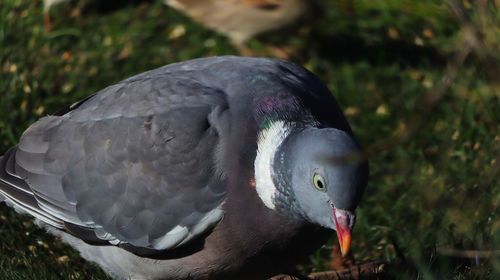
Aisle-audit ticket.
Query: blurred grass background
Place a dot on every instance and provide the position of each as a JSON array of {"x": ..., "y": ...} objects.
[{"x": 418, "y": 81}]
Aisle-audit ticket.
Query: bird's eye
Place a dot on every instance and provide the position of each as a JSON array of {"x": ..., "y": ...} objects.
[{"x": 319, "y": 182}]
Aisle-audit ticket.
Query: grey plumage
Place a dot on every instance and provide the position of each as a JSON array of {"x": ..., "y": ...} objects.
[
  {"x": 154, "y": 177},
  {"x": 135, "y": 162}
]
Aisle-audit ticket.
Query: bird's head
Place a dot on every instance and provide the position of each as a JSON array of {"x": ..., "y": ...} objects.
[{"x": 317, "y": 175}]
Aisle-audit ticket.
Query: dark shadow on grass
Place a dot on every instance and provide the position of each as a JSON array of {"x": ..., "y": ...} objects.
[
  {"x": 106, "y": 7},
  {"x": 347, "y": 48}
]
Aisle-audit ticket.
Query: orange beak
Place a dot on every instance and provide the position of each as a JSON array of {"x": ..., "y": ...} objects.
[{"x": 344, "y": 223}]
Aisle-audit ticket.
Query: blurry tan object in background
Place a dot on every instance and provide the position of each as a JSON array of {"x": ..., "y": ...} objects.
[{"x": 241, "y": 20}]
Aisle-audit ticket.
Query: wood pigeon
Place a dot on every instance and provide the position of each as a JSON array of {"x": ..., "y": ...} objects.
[{"x": 214, "y": 168}]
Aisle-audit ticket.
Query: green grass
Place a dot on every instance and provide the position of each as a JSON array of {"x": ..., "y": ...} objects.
[{"x": 418, "y": 83}]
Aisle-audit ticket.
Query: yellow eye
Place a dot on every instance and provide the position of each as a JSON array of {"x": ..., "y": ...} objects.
[{"x": 319, "y": 182}]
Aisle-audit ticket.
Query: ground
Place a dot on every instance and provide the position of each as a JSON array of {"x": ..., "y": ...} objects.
[{"x": 417, "y": 80}]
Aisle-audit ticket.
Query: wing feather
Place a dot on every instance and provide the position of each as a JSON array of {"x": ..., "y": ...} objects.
[
  {"x": 133, "y": 164},
  {"x": 18, "y": 194}
]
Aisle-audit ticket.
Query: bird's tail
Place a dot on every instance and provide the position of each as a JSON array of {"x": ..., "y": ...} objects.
[{"x": 17, "y": 194}]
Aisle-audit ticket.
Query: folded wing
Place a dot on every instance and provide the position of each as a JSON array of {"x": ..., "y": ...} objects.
[{"x": 134, "y": 164}]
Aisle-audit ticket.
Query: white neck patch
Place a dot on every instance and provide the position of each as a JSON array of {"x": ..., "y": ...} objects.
[{"x": 269, "y": 141}]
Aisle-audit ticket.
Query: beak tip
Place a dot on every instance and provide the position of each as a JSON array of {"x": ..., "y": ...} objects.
[
  {"x": 345, "y": 246},
  {"x": 344, "y": 221}
]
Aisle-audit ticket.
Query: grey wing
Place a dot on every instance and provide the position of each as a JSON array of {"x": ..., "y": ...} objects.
[{"x": 147, "y": 180}]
